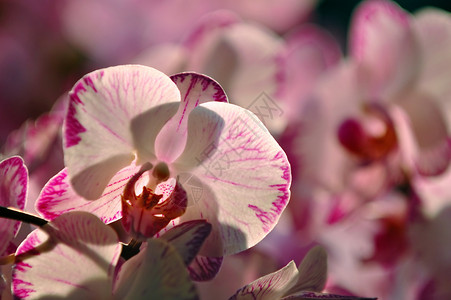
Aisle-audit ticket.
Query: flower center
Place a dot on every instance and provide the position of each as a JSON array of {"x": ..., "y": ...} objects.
[
  {"x": 146, "y": 214},
  {"x": 370, "y": 138}
]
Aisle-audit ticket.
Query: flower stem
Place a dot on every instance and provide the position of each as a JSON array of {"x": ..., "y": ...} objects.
[{"x": 14, "y": 214}]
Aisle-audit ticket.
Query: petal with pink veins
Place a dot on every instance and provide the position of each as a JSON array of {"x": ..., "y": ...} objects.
[
  {"x": 73, "y": 257},
  {"x": 13, "y": 193},
  {"x": 97, "y": 136},
  {"x": 243, "y": 173},
  {"x": 58, "y": 197},
  {"x": 195, "y": 89},
  {"x": 271, "y": 286},
  {"x": 382, "y": 41}
]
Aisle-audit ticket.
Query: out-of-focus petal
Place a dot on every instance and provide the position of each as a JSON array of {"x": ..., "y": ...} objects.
[
  {"x": 429, "y": 128},
  {"x": 243, "y": 173},
  {"x": 98, "y": 139},
  {"x": 433, "y": 28},
  {"x": 308, "y": 52},
  {"x": 159, "y": 274},
  {"x": 58, "y": 197},
  {"x": 271, "y": 286},
  {"x": 73, "y": 257},
  {"x": 306, "y": 295},
  {"x": 195, "y": 89},
  {"x": 382, "y": 41},
  {"x": 13, "y": 193}
]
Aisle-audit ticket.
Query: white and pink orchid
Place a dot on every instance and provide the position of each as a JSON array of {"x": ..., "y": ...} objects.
[{"x": 232, "y": 171}]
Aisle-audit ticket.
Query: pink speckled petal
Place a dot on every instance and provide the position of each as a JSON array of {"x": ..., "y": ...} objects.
[
  {"x": 58, "y": 197},
  {"x": 204, "y": 268},
  {"x": 271, "y": 286},
  {"x": 13, "y": 193},
  {"x": 97, "y": 137},
  {"x": 195, "y": 89},
  {"x": 428, "y": 125},
  {"x": 382, "y": 40},
  {"x": 242, "y": 174},
  {"x": 73, "y": 257},
  {"x": 158, "y": 272},
  {"x": 187, "y": 238}
]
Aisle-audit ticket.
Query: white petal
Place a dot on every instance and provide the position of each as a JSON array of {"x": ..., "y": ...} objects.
[
  {"x": 73, "y": 257},
  {"x": 243, "y": 174},
  {"x": 98, "y": 140}
]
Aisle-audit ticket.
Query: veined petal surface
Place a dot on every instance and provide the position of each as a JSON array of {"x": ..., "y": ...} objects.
[
  {"x": 243, "y": 173},
  {"x": 13, "y": 193},
  {"x": 97, "y": 136},
  {"x": 73, "y": 257}
]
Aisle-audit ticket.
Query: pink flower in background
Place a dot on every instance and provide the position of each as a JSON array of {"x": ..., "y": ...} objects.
[
  {"x": 371, "y": 120},
  {"x": 109, "y": 32},
  {"x": 221, "y": 155},
  {"x": 268, "y": 74}
]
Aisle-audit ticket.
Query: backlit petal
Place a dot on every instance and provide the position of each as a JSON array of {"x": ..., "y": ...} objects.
[
  {"x": 98, "y": 140},
  {"x": 73, "y": 257},
  {"x": 271, "y": 286},
  {"x": 160, "y": 274},
  {"x": 195, "y": 89},
  {"x": 243, "y": 174},
  {"x": 58, "y": 197}
]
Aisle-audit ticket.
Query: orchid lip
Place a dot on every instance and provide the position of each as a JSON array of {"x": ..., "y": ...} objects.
[{"x": 146, "y": 214}]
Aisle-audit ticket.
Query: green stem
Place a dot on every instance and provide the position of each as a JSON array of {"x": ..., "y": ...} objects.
[{"x": 17, "y": 215}]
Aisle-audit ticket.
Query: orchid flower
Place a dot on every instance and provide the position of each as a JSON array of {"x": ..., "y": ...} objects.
[
  {"x": 89, "y": 251},
  {"x": 217, "y": 157},
  {"x": 305, "y": 282},
  {"x": 380, "y": 121}
]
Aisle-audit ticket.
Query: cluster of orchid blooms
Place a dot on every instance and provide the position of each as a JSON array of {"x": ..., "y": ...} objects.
[{"x": 151, "y": 180}]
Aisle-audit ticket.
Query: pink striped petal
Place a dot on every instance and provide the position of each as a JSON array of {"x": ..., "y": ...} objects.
[
  {"x": 58, "y": 197},
  {"x": 158, "y": 272},
  {"x": 73, "y": 257},
  {"x": 382, "y": 41},
  {"x": 187, "y": 238},
  {"x": 97, "y": 137},
  {"x": 195, "y": 89},
  {"x": 204, "y": 268},
  {"x": 271, "y": 286},
  {"x": 13, "y": 193},
  {"x": 243, "y": 174}
]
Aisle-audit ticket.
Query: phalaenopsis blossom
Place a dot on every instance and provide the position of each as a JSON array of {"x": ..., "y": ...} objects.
[{"x": 158, "y": 151}]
